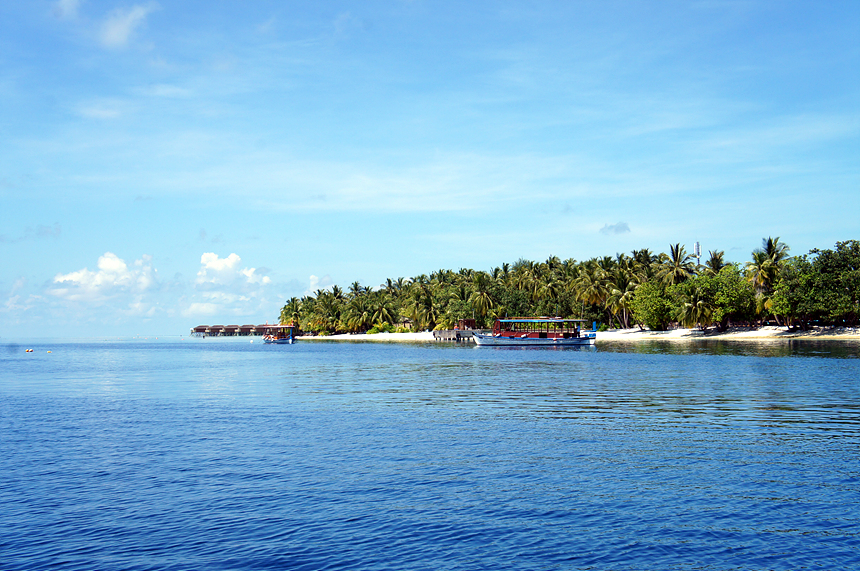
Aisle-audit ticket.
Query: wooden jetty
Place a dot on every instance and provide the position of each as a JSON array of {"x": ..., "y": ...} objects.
[{"x": 454, "y": 335}]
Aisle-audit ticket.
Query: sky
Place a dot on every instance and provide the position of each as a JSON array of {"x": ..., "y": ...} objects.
[{"x": 170, "y": 164}]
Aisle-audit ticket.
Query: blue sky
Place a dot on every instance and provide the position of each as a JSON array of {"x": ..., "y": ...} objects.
[{"x": 164, "y": 165}]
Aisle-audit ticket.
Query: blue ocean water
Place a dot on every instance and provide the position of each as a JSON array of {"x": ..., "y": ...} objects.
[{"x": 225, "y": 454}]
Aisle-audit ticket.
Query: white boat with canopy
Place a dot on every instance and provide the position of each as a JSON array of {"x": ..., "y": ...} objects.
[{"x": 537, "y": 331}]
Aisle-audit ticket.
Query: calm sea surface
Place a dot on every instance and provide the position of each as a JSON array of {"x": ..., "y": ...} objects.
[{"x": 225, "y": 454}]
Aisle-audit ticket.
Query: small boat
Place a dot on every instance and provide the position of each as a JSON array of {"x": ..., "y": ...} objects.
[
  {"x": 538, "y": 332},
  {"x": 281, "y": 334}
]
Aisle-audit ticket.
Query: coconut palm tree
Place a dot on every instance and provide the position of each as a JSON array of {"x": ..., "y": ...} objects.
[
  {"x": 623, "y": 282},
  {"x": 420, "y": 306},
  {"x": 677, "y": 267},
  {"x": 480, "y": 297},
  {"x": 645, "y": 262},
  {"x": 715, "y": 263},
  {"x": 389, "y": 287},
  {"x": 356, "y": 289},
  {"x": 326, "y": 312},
  {"x": 696, "y": 309},
  {"x": 358, "y": 314},
  {"x": 775, "y": 250},
  {"x": 549, "y": 288},
  {"x": 382, "y": 309},
  {"x": 589, "y": 286},
  {"x": 291, "y": 312},
  {"x": 764, "y": 270}
]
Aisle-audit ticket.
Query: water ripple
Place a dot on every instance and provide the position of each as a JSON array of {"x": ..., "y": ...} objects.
[{"x": 231, "y": 456}]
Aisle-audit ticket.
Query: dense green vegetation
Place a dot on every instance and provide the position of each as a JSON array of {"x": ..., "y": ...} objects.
[{"x": 645, "y": 289}]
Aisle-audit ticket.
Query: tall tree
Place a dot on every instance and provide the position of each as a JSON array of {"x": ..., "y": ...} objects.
[
  {"x": 480, "y": 298},
  {"x": 715, "y": 263},
  {"x": 695, "y": 309},
  {"x": 764, "y": 270},
  {"x": 676, "y": 267}
]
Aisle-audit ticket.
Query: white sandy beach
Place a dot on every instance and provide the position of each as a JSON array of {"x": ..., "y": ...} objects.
[
  {"x": 738, "y": 333},
  {"x": 636, "y": 334},
  {"x": 420, "y": 336}
]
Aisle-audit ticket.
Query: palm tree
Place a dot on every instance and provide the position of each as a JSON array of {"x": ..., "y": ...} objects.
[
  {"x": 589, "y": 286},
  {"x": 696, "y": 309},
  {"x": 480, "y": 297},
  {"x": 381, "y": 308},
  {"x": 645, "y": 262},
  {"x": 358, "y": 314},
  {"x": 390, "y": 286},
  {"x": 676, "y": 267},
  {"x": 506, "y": 272},
  {"x": 550, "y": 288},
  {"x": 764, "y": 270},
  {"x": 290, "y": 313},
  {"x": 775, "y": 250},
  {"x": 759, "y": 271},
  {"x": 715, "y": 263},
  {"x": 622, "y": 286},
  {"x": 420, "y": 306},
  {"x": 552, "y": 263},
  {"x": 355, "y": 289},
  {"x": 326, "y": 312}
]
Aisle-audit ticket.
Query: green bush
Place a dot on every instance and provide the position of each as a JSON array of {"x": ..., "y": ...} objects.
[{"x": 381, "y": 328}]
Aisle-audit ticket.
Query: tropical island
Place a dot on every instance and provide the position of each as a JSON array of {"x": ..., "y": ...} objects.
[{"x": 642, "y": 292}]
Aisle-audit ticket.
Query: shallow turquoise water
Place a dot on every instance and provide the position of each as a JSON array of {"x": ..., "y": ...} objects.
[{"x": 224, "y": 454}]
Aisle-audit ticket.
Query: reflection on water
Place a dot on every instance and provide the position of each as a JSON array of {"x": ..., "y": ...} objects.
[{"x": 768, "y": 348}]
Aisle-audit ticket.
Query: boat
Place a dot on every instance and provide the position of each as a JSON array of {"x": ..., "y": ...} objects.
[
  {"x": 280, "y": 334},
  {"x": 536, "y": 331}
]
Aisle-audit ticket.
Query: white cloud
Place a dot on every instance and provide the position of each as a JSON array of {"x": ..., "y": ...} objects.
[
  {"x": 66, "y": 9},
  {"x": 113, "y": 278},
  {"x": 213, "y": 266},
  {"x": 316, "y": 283},
  {"x": 122, "y": 22},
  {"x": 201, "y": 309},
  {"x": 619, "y": 228},
  {"x": 225, "y": 288},
  {"x": 226, "y": 272}
]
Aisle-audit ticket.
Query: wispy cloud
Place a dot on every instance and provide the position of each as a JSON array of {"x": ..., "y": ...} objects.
[
  {"x": 613, "y": 229},
  {"x": 101, "y": 109},
  {"x": 121, "y": 23},
  {"x": 167, "y": 90},
  {"x": 66, "y": 9},
  {"x": 315, "y": 283},
  {"x": 31, "y": 233}
]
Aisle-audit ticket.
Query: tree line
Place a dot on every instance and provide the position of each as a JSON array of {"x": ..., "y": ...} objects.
[{"x": 644, "y": 289}]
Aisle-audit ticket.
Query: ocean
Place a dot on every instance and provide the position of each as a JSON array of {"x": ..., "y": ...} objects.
[{"x": 185, "y": 454}]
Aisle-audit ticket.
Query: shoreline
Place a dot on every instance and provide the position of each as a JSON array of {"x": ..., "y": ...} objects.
[{"x": 769, "y": 333}]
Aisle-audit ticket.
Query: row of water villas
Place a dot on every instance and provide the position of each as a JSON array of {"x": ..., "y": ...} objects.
[{"x": 233, "y": 330}]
